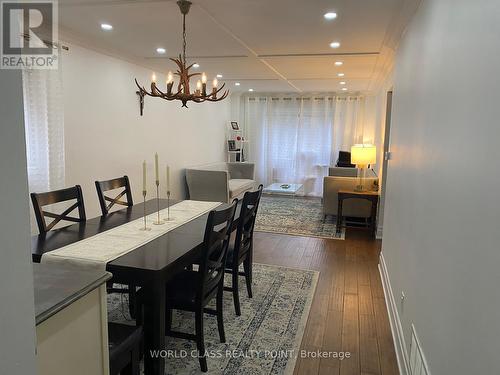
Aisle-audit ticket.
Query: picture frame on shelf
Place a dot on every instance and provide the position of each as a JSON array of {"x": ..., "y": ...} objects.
[
  {"x": 231, "y": 145},
  {"x": 234, "y": 125}
]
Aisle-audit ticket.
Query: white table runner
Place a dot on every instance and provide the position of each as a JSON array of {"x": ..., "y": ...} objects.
[{"x": 98, "y": 250}]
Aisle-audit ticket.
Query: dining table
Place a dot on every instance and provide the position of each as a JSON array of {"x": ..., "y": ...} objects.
[{"x": 150, "y": 266}]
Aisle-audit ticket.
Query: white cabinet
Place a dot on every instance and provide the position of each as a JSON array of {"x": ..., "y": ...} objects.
[{"x": 75, "y": 340}]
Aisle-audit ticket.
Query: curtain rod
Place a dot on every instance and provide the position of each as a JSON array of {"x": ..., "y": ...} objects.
[{"x": 334, "y": 97}]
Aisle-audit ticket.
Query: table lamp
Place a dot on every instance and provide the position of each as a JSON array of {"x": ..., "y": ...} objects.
[{"x": 362, "y": 155}]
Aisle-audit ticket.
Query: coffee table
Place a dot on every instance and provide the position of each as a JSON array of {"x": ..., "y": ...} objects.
[{"x": 285, "y": 189}]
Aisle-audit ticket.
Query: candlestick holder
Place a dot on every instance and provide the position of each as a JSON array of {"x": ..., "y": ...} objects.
[
  {"x": 168, "y": 207},
  {"x": 158, "y": 221},
  {"x": 145, "y": 228}
]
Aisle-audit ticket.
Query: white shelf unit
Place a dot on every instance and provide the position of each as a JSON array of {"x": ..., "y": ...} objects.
[{"x": 240, "y": 146}]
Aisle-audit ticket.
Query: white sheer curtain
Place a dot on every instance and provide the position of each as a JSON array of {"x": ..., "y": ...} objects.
[
  {"x": 44, "y": 127},
  {"x": 295, "y": 139}
]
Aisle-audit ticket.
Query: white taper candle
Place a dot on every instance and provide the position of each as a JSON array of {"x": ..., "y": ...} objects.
[
  {"x": 168, "y": 178},
  {"x": 157, "y": 170},
  {"x": 144, "y": 175}
]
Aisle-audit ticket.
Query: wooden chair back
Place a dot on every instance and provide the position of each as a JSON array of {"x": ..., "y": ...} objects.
[
  {"x": 116, "y": 183},
  {"x": 246, "y": 224},
  {"x": 215, "y": 244},
  {"x": 40, "y": 200}
]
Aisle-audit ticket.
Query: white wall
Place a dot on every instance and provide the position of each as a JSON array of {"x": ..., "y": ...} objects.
[
  {"x": 379, "y": 118},
  {"x": 17, "y": 314},
  {"x": 373, "y": 130},
  {"x": 105, "y": 137},
  {"x": 442, "y": 213}
]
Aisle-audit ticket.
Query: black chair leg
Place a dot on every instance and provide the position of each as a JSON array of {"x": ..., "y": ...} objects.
[
  {"x": 168, "y": 321},
  {"x": 220, "y": 318},
  {"x": 132, "y": 301},
  {"x": 236, "y": 292},
  {"x": 127, "y": 370},
  {"x": 138, "y": 312},
  {"x": 247, "y": 266},
  {"x": 133, "y": 368},
  {"x": 136, "y": 362},
  {"x": 200, "y": 340}
]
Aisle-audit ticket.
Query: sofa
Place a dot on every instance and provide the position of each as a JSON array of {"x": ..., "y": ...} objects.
[
  {"x": 340, "y": 178},
  {"x": 220, "y": 182}
]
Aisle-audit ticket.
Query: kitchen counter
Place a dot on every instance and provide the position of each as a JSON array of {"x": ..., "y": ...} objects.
[
  {"x": 57, "y": 287},
  {"x": 71, "y": 320}
]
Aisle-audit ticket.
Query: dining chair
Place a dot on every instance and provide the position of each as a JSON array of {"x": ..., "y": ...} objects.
[
  {"x": 242, "y": 250},
  {"x": 124, "y": 343},
  {"x": 116, "y": 183},
  {"x": 41, "y": 200},
  {"x": 193, "y": 290},
  {"x": 102, "y": 187}
]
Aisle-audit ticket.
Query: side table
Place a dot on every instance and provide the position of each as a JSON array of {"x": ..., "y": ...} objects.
[{"x": 371, "y": 196}]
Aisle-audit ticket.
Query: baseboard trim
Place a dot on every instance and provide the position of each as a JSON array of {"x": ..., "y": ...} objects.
[{"x": 394, "y": 320}]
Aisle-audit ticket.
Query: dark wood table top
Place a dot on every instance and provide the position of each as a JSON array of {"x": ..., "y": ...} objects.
[{"x": 152, "y": 256}]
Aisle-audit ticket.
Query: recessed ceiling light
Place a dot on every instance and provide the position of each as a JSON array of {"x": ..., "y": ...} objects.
[
  {"x": 161, "y": 50},
  {"x": 237, "y": 83},
  {"x": 335, "y": 44},
  {"x": 106, "y": 26},
  {"x": 339, "y": 63},
  {"x": 196, "y": 65},
  {"x": 219, "y": 75},
  {"x": 330, "y": 15},
  {"x": 250, "y": 90},
  {"x": 342, "y": 83},
  {"x": 344, "y": 88},
  {"x": 341, "y": 74}
]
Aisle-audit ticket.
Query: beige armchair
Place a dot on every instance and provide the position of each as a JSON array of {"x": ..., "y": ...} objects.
[
  {"x": 220, "y": 182},
  {"x": 351, "y": 207}
]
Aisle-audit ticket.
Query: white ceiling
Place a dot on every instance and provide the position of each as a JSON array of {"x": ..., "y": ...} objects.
[{"x": 267, "y": 45}]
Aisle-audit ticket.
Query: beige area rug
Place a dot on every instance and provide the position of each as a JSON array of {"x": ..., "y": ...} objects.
[
  {"x": 265, "y": 339},
  {"x": 300, "y": 216}
]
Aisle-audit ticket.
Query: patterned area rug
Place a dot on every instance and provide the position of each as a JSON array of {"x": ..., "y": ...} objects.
[
  {"x": 298, "y": 216},
  {"x": 265, "y": 339}
]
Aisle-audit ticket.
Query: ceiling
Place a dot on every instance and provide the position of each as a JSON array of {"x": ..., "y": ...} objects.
[{"x": 266, "y": 45}]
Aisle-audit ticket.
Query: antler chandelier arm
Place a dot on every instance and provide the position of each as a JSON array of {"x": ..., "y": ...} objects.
[
  {"x": 224, "y": 96},
  {"x": 216, "y": 91},
  {"x": 183, "y": 86},
  {"x": 166, "y": 95}
]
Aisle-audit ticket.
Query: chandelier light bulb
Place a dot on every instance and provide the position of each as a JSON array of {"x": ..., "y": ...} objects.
[
  {"x": 215, "y": 82},
  {"x": 153, "y": 78},
  {"x": 106, "y": 26},
  {"x": 204, "y": 78},
  {"x": 198, "y": 85},
  {"x": 170, "y": 77},
  {"x": 330, "y": 15}
]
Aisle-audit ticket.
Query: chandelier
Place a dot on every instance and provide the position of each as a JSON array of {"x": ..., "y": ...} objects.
[{"x": 183, "y": 92}]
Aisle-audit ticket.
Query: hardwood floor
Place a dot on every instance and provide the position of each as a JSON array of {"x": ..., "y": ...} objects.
[{"x": 348, "y": 313}]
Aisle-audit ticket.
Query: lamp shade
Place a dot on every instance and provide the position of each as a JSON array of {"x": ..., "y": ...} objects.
[{"x": 363, "y": 154}]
